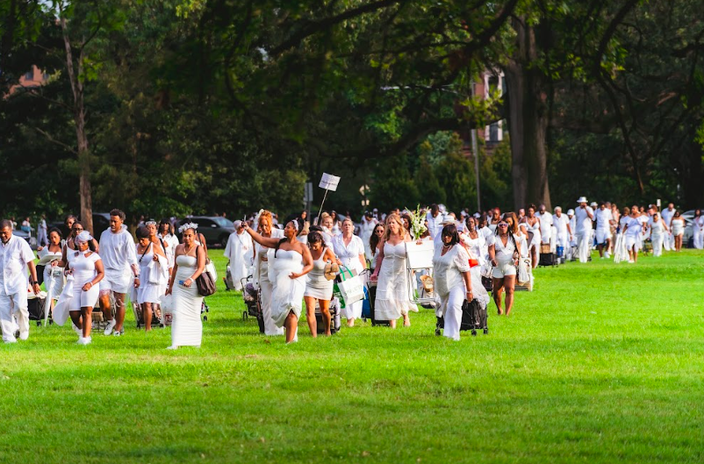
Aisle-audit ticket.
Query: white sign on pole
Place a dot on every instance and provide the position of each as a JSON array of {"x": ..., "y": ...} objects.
[{"x": 329, "y": 182}]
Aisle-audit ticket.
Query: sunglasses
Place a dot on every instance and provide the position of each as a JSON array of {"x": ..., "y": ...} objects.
[
  {"x": 77, "y": 228},
  {"x": 503, "y": 224}
]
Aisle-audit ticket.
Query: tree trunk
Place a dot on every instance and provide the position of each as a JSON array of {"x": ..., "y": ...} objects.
[
  {"x": 79, "y": 118},
  {"x": 528, "y": 121}
]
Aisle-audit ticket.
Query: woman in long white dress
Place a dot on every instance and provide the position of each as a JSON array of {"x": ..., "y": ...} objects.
[
  {"x": 239, "y": 252},
  {"x": 677, "y": 227},
  {"x": 392, "y": 294},
  {"x": 350, "y": 251},
  {"x": 53, "y": 275},
  {"x": 262, "y": 255},
  {"x": 186, "y": 327},
  {"x": 453, "y": 280},
  {"x": 153, "y": 272},
  {"x": 698, "y": 229},
  {"x": 87, "y": 270},
  {"x": 318, "y": 287},
  {"x": 620, "y": 250},
  {"x": 658, "y": 231},
  {"x": 291, "y": 262}
]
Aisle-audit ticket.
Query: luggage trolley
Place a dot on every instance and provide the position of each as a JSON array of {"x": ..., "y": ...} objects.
[{"x": 419, "y": 257}]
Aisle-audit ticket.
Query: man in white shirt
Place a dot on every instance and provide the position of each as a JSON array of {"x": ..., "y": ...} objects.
[
  {"x": 15, "y": 255},
  {"x": 433, "y": 220},
  {"x": 117, "y": 250},
  {"x": 563, "y": 229},
  {"x": 667, "y": 214},
  {"x": 546, "y": 224},
  {"x": 603, "y": 230},
  {"x": 584, "y": 215},
  {"x": 239, "y": 252}
]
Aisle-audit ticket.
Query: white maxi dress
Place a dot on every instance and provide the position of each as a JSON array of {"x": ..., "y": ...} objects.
[
  {"x": 657, "y": 237},
  {"x": 287, "y": 293},
  {"x": 187, "y": 327},
  {"x": 392, "y": 291},
  {"x": 349, "y": 255}
]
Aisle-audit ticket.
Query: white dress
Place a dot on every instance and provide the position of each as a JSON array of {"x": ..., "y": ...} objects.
[
  {"x": 349, "y": 255},
  {"x": 317, "y": 286},
  {"x": 265, "y": 283},
  {"x": 287, "y": 295},
  {"x": 677, "y": 226},
  {"x": 152, "y": 277},
  {"x": 83, "y": 271},
  {"x": 657, "y": 237},
  {"x": 698, "y": 232},
  {"x": 53, "y": 276},
  {"x": 239, "y": 252},
  {"x": 187, "y": 327},
  {"x": 392, "y": 298},
  {"x": 365, "y": 233}
]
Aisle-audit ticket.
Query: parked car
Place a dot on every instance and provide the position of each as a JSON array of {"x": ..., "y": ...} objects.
[
  {"x": 215, "y": 229},
  {"x": 26, "y": 236}
]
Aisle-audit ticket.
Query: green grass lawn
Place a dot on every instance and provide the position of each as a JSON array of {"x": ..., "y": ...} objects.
[{"x": 601, "y": 363}]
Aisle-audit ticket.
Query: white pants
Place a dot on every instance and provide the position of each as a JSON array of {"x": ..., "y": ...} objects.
[
  {"x": 669, "y": 242},
  {"x": 698, "y": 238},
  {"x": 584, "y": 245},
  {"x": 657, "y": 240},
  {"x": 270, "y": 327},
  {"x": 451, "y": 306},
  {"x": 13, "y": 307}
]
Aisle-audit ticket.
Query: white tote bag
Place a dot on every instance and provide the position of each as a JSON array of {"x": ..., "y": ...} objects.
[{"x": 351, "y": 287}]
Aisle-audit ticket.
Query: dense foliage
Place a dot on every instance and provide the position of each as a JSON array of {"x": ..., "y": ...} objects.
[{"x": 212, "y": 106}]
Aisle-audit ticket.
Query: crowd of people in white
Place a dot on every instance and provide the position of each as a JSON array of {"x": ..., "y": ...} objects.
[{"x": 296, "y": 264}]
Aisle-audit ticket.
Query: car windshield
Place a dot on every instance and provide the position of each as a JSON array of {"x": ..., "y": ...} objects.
[{"x": 223, "y": 222}]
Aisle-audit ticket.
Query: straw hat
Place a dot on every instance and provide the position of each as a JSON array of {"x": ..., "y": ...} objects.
[
  {"x": 582, "y": 199},
  {"x": 331, "y": 271}
]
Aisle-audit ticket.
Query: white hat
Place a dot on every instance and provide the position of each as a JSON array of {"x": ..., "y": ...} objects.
[
  {"x": 594, "y": 203},
  {"x": 582, "y": 200},
  {"x": 570, "y": 212}
]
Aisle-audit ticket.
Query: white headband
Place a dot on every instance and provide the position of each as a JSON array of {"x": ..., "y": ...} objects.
[
  {"x": 188, "y": 225},
  {"x": 84, "y": 237}
]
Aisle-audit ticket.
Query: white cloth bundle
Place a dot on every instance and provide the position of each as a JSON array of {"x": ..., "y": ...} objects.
[{"x": 61, "y": 309}]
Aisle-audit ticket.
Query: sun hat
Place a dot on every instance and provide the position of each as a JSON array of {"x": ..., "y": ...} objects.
[
  {"x": 570, "y": 212},
  {"x": 582, "y": 199}
]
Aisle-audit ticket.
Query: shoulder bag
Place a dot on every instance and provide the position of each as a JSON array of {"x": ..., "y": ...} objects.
[{"x": 205, "y": 282}]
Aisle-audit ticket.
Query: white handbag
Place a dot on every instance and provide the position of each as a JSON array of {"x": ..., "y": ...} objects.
[
  {"x": 351, "y": 288},
  {"x": 419, "y": 255}
]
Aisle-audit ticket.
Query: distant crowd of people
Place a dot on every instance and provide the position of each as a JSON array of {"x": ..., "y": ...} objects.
[{"x": 291, "y": 265}]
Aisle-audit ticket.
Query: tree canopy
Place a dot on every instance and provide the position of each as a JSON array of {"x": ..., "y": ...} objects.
[{"x": 211, "y": 106}]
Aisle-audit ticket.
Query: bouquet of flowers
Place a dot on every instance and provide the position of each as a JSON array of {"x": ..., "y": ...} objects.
[{"x": 417, "y": 223}]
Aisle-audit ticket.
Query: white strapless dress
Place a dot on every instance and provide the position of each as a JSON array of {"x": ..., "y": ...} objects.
[
  {"x": 187, "y": 327},
  {"x": 287, "y": 293}
]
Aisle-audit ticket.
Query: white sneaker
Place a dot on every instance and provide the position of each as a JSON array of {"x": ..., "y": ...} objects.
[
  {"x": 24, "y": 335},
  {"x": 111, "y": 325},
  {"x": 84, "y": 341},
  {"x": 78, "y": 331},
  {"x": 607, "y": 255},
  {"x": 14, "y": 340},
  {"x": 172, "y": 347}
]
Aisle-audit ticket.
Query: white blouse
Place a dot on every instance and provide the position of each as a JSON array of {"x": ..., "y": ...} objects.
[{"x": 448, "y": 268}]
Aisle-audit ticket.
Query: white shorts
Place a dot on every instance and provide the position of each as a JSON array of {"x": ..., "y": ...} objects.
[
  {"x": 503, "y": 270},
  {"x": 631, "y": 240},
  {"x": 602, "y": 235},
  {"x": 116, "y": 281}
]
